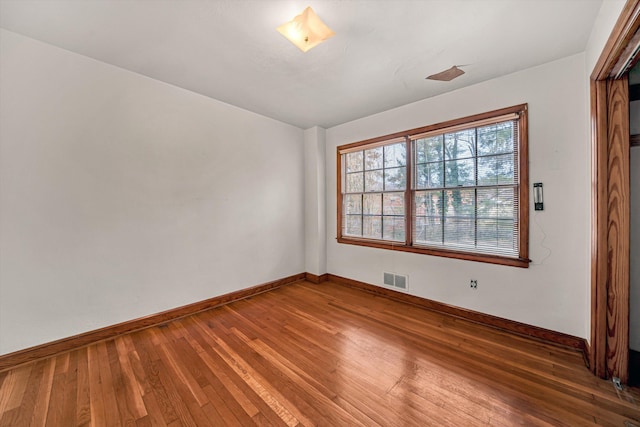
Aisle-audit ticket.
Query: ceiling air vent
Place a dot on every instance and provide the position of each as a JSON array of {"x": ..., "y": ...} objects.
[{"x": 447, "y": 75}]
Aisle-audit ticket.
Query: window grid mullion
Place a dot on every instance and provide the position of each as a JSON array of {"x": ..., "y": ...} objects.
[
  {"x": 384, "y": 187},
  {"x": 444, "y": 185},
  {"x": 475, "y": 192},
  {"x": 362, "y": 208},
  {"x": 408, "y": 185},
  {"x": 382, "y": 213}
]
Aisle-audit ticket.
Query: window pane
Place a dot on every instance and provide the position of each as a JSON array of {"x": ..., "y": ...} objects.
[
  {"x": 506, "y": 237},
  {"x": 496, "y": 170},
  {"x": 429, "y": 149},
  {"x": 488, "y": 203},
  {"x": 354, "y": 161},
  {"x": 459, "y": 231},
  {"x": 373, "y": 158},
  {"x": 353, "y": 204},
  {"x": 496, "y": 203},
  {"x": 372, "y": 204},
  {"x": 507, "y": 207},
  {"x": 460, "y": 173},
  {"x": 496, "y": 233},
  {"x": 393, "y": 203},
  {"x": 460, "y": 145},
  {"x": 429, "y": 203},
  {"x": 372, "y": 227},
  {"x": 505, "y": 165},
  {"x": 496, "y": 139},
  {"x": 353, "y": 225},
  {"x": 487, "y": 140},
  {"x": 395, "y": 155},
  {"x": 393, "y": 228},
  {"x": 419, "y": 229},
  {"x": 395, "y": 178},
  {"x": 428, "y": 230},
  {"x": 429, "y": 175},
  {"x": 460, "y": 203},
  {"x": 488, "y": 233},
  {"x": 355, "y": 183},
  {"x": 373, "y": 181}
]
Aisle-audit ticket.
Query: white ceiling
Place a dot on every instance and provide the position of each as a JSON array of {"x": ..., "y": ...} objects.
[{"x": 383, "y": 49}]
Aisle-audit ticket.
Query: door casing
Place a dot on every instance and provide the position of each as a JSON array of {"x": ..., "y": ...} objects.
[{"x": 610, "y": 216}]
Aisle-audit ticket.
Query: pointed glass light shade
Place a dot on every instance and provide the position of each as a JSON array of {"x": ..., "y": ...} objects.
[{"x": 306, "y": 30}]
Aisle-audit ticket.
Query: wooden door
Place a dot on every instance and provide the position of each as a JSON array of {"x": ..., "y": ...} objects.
[{"x": 609, "y": 347}]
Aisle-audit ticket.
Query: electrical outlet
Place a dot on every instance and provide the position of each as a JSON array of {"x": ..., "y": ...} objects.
[
  {"x": 473, "y": 284},
  {"x": 617, "y": 383}
]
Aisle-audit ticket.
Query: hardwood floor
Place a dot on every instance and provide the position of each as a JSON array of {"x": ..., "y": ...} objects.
[{"x": 314, "y": 354}]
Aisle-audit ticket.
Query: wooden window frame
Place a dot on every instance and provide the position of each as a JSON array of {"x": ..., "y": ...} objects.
[{"x": 522, "y": 260}]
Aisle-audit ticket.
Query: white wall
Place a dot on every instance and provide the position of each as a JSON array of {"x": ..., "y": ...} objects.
[
  {"x": 314, "y": 196},
  {"x": 607, "y": 17},
  {"x": 121, "y": 196},
  {"x": 554, "y": 292}
]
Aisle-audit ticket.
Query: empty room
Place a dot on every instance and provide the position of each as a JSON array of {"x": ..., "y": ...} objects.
[{"x": 321, "y": 213}]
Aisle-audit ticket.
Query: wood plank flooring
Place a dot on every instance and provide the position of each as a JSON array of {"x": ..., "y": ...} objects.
[{"x": 314, "y": 354}]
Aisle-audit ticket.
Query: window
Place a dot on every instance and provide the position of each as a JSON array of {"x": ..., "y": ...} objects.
[
  {"x": 375, "y": 184},
  {"x": 457, "y": 189}
]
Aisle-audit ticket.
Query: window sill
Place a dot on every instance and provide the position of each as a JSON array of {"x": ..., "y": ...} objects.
[{"x": 491, "y": 259}]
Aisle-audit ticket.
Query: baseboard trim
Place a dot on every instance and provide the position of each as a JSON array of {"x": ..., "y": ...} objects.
[
  {"x": 30, "y": 354},
  {"x": 545, "y": 335},
  {"x": 315, "y": 278}
]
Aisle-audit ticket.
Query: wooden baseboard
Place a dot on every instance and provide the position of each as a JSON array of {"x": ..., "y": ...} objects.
[
  {"x": 19, "y": 357},
  {"x": 545, "y": 335},
  {"x": 11, "y": 360},
  {"x": 316, "y": 279}
]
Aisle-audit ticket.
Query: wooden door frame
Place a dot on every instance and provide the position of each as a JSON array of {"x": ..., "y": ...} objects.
[{"x": 610, "y": 216}]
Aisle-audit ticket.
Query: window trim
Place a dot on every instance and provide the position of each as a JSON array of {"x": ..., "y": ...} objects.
[{"x": 471, "y": 121}]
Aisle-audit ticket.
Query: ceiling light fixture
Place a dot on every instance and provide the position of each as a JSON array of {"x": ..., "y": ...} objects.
[
  {"x": 306, "y": 30},
  {"x": 447, "y": 75}
]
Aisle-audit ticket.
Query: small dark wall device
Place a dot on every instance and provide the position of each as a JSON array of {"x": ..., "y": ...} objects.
[{"x": 538, "y": 198}]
